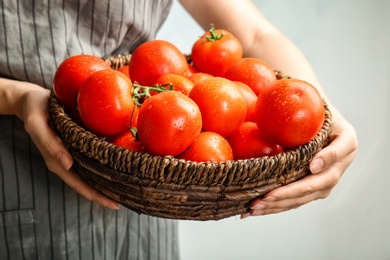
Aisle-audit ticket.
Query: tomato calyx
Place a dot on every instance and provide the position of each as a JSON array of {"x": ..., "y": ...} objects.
[
  {"x": 213, "y": 35},
  {"x": 140, "y": 93}
]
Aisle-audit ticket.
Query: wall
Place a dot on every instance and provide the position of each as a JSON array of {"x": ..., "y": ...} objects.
[{"x": 348, "y": 44}]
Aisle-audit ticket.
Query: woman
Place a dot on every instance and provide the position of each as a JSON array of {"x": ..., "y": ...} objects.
[{"x": 42, "y": 215}]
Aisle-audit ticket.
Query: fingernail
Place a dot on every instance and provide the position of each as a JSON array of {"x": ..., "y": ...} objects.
[
  {"x": 258, "y": 206},
  {"x": 243, "y": 216},
  {"x": 113, "y": 205},
  {"x": 269, "y": 199},
  {"x": 65, "y": 161},
  {"x": 257, "y": 212},
  {"x": 316, "y": 165}
]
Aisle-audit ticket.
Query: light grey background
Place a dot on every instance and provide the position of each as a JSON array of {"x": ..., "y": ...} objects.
[{"x": 348, "y": 44}]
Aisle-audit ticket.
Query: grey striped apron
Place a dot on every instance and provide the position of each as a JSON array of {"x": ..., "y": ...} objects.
[{"x": 40, "y": 216}]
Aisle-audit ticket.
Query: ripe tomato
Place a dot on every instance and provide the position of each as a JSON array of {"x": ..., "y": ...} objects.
[
  {"x": 168, "y": 123},
  {"x": 134, "y": 117},
  {"x": 75, "y": 115},
  {"x": 290, "y": 112},
  {"x": 126, "y": 140},
  {"x": 222, "y": 105},
  {"x": 71, "y": 74},
  {"x": 247, "y": 142},
  {"x": 216, "y": 51},
  {"x": 105, "y": 102},
  {"x": 179, "y": 83},
  {"x": 254, "y": 72},
  {"x": 250, "y": 98},
  {"x": 191, "y": 70},
  {"x": 125, "y": 70},
  {"x": 152, "y": 59},
  {"x": 199, "y": 76},
  {"x": 208, "y": 146}
]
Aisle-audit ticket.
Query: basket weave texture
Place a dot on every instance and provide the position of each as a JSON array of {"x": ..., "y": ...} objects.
[{"x": 177, "y": 189}]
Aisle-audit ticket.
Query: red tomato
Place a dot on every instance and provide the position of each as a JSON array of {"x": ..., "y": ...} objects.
[
  {"x": 247, "y": 142},
  {"x": 168, "y": 123},
  {"x": 134, "y": 117},
  {"x": 222, "y": 105},
  {"x": 126, "y": 140},
  {"x": 105, "y": 102},
  {"x": 208, "y": 146},
  {"x": 199, "y": 76},
  {"x": 250, "y": 98},
  {"x": 75, "y": 115},
  {"x": 178, "y": 82},
  {"x": 191, "y": 70},
  {"x": 125, "y": 70},
  {"x": 71, "y": 74},
  {"x": 215, "y": 52},
  {"x": 155, "y": 58},
  {"x": 290, "y": 112},
  {"x": 254, "y": 72}
]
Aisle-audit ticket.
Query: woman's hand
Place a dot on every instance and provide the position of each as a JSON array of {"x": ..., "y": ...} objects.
[
  {"x": 327, "y": 167},
  {"x": 30, "y": 103}
]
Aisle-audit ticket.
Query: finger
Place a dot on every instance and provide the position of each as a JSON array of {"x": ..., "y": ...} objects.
[
  {"x": 48, "y": 143},
  {"x": 245, "y": 215},
  {"x": 36, "y": 120},
  {"x": 305, "y": 186},
  {"x": 279, "y": 206},
  {"x": 59, "y": 161},
  {"x": 293, "y": 195},
  {"x": 72, "y": 179},
  {"x": 337, "y": 150}
]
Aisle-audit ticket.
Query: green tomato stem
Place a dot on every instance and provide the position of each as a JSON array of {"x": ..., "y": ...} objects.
[
  {"x": 214, "y": 37},
  {"x": 142, "y": 92}
]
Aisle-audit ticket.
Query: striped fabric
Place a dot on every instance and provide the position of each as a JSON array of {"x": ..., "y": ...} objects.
[{"x": 40, "y": 216}]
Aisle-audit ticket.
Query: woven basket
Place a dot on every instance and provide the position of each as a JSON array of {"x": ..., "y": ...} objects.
[{"x": 177, "y": 189}]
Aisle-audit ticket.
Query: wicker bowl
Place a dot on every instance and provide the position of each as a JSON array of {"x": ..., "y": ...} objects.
[{"x": 177, "y": 189}]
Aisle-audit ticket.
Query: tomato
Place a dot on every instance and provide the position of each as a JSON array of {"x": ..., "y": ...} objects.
[
  {"x": 105, "y": 102},
  {"x": 222, "y": 105},
  {"x": 208, "y": 146},
  {"x": 179, "y": 83},
  {"x": 71, "y": 74},
  {"x": 152, "y": 59},
  {"x": 199, "y": 76},
  {"x": 254, "y": 72},
  {"x": 75, "y": 115},
  {"x": 216, "y": 51},
  {"x": 247, "y": 142},
  {"x": 191, "y": 70},
  {"x": 134, "y": 117},
  {"x": 126, "y": 140},
  {"x": 250, "y": 98},
  {"x": 125, "y": 70},
  {"x": 290, "y": 112},
  {"x": 168, "y": 123}
]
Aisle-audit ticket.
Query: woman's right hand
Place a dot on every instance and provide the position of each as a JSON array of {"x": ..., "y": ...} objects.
[{"x": 30, "y": 103}]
